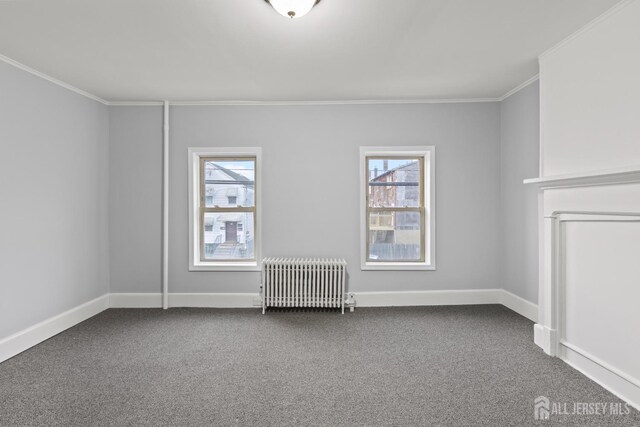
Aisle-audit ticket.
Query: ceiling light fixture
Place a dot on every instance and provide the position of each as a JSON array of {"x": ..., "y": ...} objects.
[{"x": 293, "y": 8}]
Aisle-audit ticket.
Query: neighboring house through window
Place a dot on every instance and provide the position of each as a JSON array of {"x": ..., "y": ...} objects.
[
  {"x": 397, "y": 208},
  {"x": 224, "y": 215}
]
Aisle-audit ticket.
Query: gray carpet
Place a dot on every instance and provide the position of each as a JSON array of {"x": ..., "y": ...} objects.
[{"x": 463, "y": 366}]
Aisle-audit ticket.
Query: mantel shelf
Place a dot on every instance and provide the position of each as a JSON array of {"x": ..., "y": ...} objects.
[{"x": 624, "y": 175}]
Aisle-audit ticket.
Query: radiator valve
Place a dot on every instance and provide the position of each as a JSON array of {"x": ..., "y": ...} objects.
[{"x": 350, "y": 302}]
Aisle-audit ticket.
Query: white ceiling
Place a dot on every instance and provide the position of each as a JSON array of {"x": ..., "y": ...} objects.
[{"x": 243, "y": 50}]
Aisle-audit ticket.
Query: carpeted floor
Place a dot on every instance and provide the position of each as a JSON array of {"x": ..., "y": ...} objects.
[{"x": 463, "y": 366}]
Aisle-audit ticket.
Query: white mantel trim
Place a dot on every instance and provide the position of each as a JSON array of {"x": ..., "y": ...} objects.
[
  {"x": 623, "y": 175},
  {"x": 551, "y": 307},
  {"x": 549, "y": 331}
]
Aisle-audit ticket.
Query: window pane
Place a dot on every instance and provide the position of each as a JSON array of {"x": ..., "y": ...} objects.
[
  {"x": 228, "y": 236},
  {"x": 229, "y": 183},
  {"x": 394, "y": 182},
  {"x": 394, "y": 196},
  {"x": 394, "y": 236}
]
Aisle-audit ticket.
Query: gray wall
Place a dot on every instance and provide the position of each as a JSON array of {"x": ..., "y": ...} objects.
[
  {"x": 311, "y": 184},
  {"x": 519, "y": 156},
  {"x": 66, "y": 235},
  {"x": 53, "y": 187},
  {"x": 135, "y": 198}
]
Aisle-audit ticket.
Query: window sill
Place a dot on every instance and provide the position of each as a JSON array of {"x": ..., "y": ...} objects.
[
  {"x": 225, "y": 266},
  {"x": 397, "y": 266}
]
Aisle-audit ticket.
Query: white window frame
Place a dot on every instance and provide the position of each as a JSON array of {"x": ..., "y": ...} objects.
[
  {"x": 194, "y": 156},
  {"x": 428, "y": 154}
]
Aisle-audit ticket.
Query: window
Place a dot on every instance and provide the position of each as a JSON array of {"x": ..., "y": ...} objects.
[
  {"x": 224, "y": 208},
  {"x": 209, "y": 248},
  {"x": 397, "y": 208}
]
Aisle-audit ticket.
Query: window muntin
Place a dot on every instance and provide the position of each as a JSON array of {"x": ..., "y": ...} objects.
[
  {"x": 395, "y": 213},
  {"x": 227, "y": 229}
]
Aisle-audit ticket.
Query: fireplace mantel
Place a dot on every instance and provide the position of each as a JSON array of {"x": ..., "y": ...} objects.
[
  {"x": 622, "y": 175},
  {"x": 577, "y": 213}
]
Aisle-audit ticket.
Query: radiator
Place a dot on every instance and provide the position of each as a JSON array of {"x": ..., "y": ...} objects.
[{"x": 303, "y": 282}]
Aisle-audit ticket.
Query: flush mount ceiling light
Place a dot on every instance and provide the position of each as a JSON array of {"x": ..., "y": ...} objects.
[{"x": 293, "y": 8}]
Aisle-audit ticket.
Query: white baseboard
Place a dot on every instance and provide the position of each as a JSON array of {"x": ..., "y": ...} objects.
[
  {"x": 459, "y": 297},
  {"x": 27, "y": 338},
  {"x": 602, "y": 374},
  {"x": 238, "y": 300},
  {"x": 363, "y": 299},
  {"x": 211, "y": 300},
  {"x": 419, "y": 298},
  {"x": 520, "y": 305},
  {"x": 135, "y": 300},
  {"x": 33, "y": 335},
  {"x": 627, "y": 390},
  {"x": 545, "y": 338}
]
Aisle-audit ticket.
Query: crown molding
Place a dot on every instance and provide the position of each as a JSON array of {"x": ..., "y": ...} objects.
[
  {"x": 303, "y": 103},
  {"x": 519, "y": 87},
  {"x": 135, "y": 103},
  {"x": 610, "y": 12},
  {"x": 52, "y": 79},
  {"x": 328, "y": 102},
  {"x": 261, "y": 103}
]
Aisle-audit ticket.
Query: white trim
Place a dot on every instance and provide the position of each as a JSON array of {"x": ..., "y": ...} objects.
[
  {"x": 623, "y": 175},
  {"x": 601, "y": 374},
  {"x": 519, "y": 87},
  {"x": 552, "y": 281},
  {"x": 549, "y": 334},
  {"x": 136, "y": 300},
  {"x": 193, "y": 157},
  {"x": 307, "y": 102},
  {"x": 363, "y": 299},
  {"x": 212, "y": 300},
  {"x": 27, "y": 338},
  {"x": 396, "y": 266},
  {"x": 52, "y": 79},
  {"x": 429, "y": 155},
  {"x": 610, "y": 12},
  {"x": 165, "y": 206},
  {"x": 263, "y": 103},
  {"x": 444, "y": 297},
  {"x": 519, "y": 305},
  {"x": 236, "y": 103},
  {"x": 228, "y": 266},
  {"x": 422, "y": 298},
  {"x": 219, "y": 300},
  {"x": 543, "y": 337},
  {"x": 602, "y": 363},
  {"x": 136, "y": 103}
]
